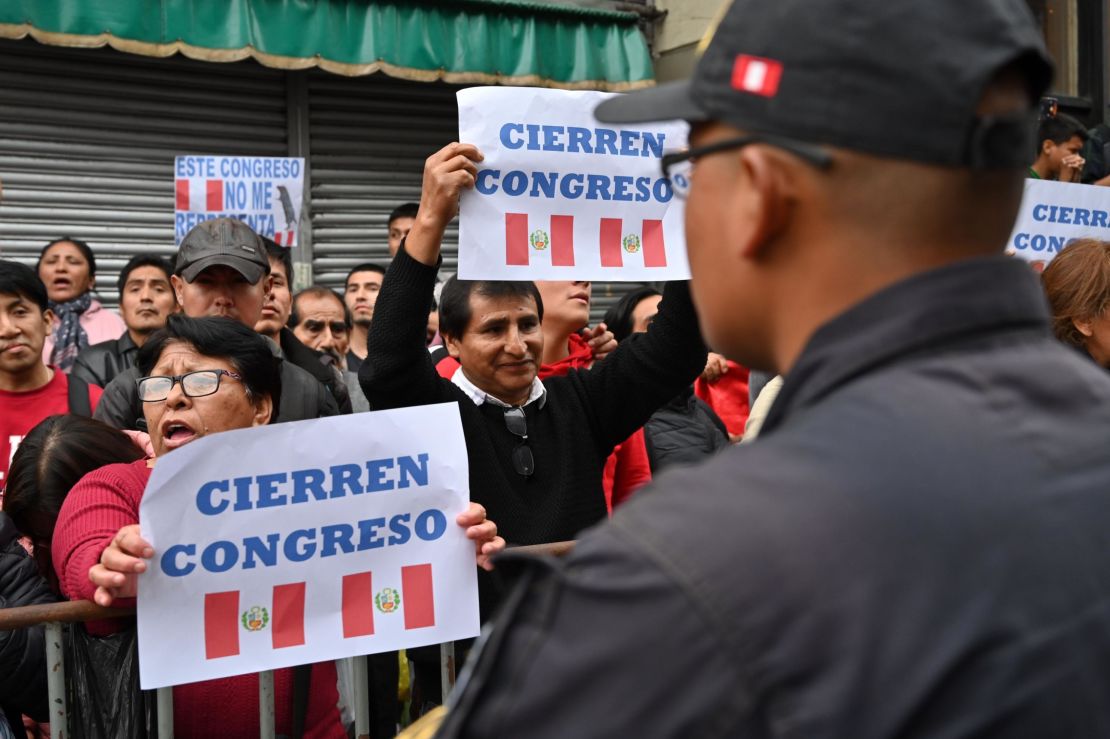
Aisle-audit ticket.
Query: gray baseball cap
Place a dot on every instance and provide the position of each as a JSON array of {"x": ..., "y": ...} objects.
[
  {"x": 896, "y": 78},
  {"x": 222, "y": 241}
]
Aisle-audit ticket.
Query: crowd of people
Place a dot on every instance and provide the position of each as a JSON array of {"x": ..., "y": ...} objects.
[{"x": 921, "y": 389}]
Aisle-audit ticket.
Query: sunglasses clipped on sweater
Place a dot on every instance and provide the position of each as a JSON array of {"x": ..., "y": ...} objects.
[{"x": 517, "y": 423}]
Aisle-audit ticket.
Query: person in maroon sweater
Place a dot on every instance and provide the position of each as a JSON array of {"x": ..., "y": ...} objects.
[{"x": 199, "y": 376}]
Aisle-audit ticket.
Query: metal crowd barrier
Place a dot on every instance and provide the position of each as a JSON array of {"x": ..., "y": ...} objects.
[{"x": 53, "y": 615}]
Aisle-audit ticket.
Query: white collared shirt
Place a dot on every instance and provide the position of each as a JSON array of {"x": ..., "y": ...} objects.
[{"x": 479, "y": 396}]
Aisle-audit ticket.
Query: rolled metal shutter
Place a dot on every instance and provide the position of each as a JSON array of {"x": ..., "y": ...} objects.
[
  {"x": 88, "y": 137},
  {"x": 369, "y": 137}
]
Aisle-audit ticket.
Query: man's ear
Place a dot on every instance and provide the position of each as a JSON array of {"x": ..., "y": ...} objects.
[
  {"x": 454, "y": 346},
  {"x": 1047, "y": 146},
  {"x": 759, "y": 202},
  {"x": 48, "y": 317},
  {"x": 1083, "y": 326},
  {"x": 178, "y": 285}
]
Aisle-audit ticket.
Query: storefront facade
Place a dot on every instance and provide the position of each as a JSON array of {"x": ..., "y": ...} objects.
[{"x": 88, "y": 135}]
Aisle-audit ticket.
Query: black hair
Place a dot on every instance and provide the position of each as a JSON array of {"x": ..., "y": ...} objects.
[
  {"x": 248, "y": 352},
  {"x": 142, "y": 260},
  {"x": 51, "y": 459},
  {"x": 364, "y": 267},
  {"x": 1058, "y": 129},
  {"x": 85, "y": 249},
  {"x": 404, "y": 210},
  {"x": 454, "y": 301},
  {"x": 19, "y": 279},
  {"x": 281, "y": 254},
  {"x": 319, "y": 291},
  {"x": 619, "y": 318}
]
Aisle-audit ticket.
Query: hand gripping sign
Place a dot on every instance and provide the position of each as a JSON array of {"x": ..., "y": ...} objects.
[
  {"x": 1055, "y": 213},
  {"x": 303, "y": 542},
  {"x": 560, "y": 196},
  {"x": 266, "y": 193}
]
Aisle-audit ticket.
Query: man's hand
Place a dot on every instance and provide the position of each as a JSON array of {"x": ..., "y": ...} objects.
[
  {"x": 1072, "y": 168},
  {"x": 447, "y": 173},
  {"x": 715, "y": 367},
  {"x": 482, "y": 532},
  {"x": 601, "y": 341},
  {"x": 120, "y": 566}
]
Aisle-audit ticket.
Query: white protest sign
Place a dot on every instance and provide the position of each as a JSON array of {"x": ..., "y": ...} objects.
[
  {"x": 1055, "y": 213},
  {"x": 264, "y": 192},
  {"x": 560, "y": 196},
  {"x": 304, "y": 542}
]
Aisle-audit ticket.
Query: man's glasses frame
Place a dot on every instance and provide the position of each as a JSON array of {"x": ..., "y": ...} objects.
[
  {"x": 196, "y": 384},
  {"x": 517, "y": 423},
  {"x": 680, "y": 180}
]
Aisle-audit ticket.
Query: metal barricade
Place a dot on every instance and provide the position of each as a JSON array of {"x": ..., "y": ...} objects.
[{"x": 53, "y": 615}]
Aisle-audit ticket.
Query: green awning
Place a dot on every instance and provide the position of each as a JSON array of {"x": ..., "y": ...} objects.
[{"x": 508, "y": 42}]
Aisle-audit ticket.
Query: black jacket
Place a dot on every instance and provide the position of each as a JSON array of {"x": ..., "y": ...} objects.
[
  {"x": 916, "y": 546},
  {"x": 100, "y": 363},
  {"x": 302, "y": 397},
  {"x": 683, "y": 432},
  {"x": 22, "y": 651}
]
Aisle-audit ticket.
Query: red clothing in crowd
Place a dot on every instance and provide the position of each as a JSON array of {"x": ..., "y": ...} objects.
[
  {"x": 628, "y": 468},
  {"x": 728, "y": 397},
  {"x": 102, "y": 503},
  {"x": 22, "y": 411}
]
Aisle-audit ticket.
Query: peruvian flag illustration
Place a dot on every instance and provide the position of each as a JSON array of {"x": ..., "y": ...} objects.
[
  {"x": 198, "y": 195},
  {"x": 284, "y": 238},
  {"x": 616, "y": 242},
  {"x": 556, "y": 235},
  {"x": 756, "y": 75},
  {"x": 226, "y": 616}
]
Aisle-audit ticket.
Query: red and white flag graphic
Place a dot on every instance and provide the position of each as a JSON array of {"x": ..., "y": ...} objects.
[
  {"x": 556, "y": 235},
  {"x": 225, "y": 615},
  {"x": 756, "y": 75},
  {"x": 283, "y": 238},
  {"x": 616, "y": 243},
  {"x": 198, "y": 195}
]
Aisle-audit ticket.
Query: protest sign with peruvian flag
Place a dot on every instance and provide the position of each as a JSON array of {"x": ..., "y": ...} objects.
[
  {"x": 267, "y": 193},
  {"x": 561, "y": 196},
  {"x": 302, "y": 542}
]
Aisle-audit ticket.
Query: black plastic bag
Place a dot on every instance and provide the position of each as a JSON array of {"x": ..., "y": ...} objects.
[{"x": 102, "y": 691}]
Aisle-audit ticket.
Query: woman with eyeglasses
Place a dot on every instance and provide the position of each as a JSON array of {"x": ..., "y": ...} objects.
[{"x": 200, "y": 376}]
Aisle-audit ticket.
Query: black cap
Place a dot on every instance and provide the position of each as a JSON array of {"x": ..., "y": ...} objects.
[
  {"x": 222, "y": 241},
  {"x": 897, "y": 78}
]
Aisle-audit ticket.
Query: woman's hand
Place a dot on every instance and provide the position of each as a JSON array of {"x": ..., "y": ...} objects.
[
  {"x": 482, "y": 532},
  {"x": 716, "y": 367},
  {"x": 121, "y": 563},
  {"x": 601, "y": 341}
]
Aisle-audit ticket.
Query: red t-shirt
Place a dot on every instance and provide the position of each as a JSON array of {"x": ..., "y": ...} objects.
[{"x": 22, "y": 411}]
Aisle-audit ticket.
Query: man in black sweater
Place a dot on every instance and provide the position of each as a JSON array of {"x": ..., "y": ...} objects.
[{"x": 536, "y": 450}]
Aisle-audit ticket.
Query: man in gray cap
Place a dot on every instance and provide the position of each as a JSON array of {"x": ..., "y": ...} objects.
[
  {"x": 222, "y": 270},
  {"x": 916, "y": 545}
]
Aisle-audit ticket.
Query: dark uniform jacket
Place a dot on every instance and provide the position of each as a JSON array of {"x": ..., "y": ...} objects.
[
  {"x": 22, "y": 651},
  {"x": 100, "y": 363},
  {"x": 683, "y": 432},
  {"x": 917, "y": 546}
]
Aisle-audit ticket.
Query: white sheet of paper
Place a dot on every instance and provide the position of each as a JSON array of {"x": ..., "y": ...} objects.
[
  {"x": 267, "y": 193},
  {"x": 561, "y": 196},
  {"x": 1053, "y": 214},
  {"x": 376, "y": 565}
]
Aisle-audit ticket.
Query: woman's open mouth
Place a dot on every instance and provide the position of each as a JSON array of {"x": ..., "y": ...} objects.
[{"x": 177, "y": 433}]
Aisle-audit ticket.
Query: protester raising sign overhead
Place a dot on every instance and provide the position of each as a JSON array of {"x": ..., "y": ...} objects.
[{"x": 560, "y": 195}]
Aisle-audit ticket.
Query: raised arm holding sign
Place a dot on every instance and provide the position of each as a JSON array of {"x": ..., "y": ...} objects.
[{"x": 535, "y": 449}]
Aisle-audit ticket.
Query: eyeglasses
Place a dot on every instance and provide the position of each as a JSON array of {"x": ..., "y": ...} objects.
[
  {"x": 193, "y": 384},
  {"x": 517, "y": 423},
  {"x": 678, "y": 165}
]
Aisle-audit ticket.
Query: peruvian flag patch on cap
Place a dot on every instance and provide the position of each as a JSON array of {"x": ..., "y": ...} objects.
[{"x": 756, "y": 75}]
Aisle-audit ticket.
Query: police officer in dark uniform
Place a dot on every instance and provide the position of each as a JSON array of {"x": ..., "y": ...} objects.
[{"x": 917, "y": 544}]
